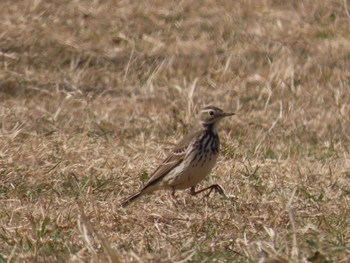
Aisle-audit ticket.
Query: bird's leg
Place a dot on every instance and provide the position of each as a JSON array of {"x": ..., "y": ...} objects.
[
  {"x": 215, "y": 187},
  {"x": 173, "y": 195}
]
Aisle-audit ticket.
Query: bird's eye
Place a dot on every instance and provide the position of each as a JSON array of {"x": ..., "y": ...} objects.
[{"x": 211, "y": 113}]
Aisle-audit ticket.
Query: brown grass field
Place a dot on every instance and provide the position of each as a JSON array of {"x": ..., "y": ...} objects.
[{"x": 94, "y": 94}]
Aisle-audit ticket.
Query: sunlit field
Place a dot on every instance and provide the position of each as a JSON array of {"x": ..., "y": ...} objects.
[{"x": 94, "y": 94}]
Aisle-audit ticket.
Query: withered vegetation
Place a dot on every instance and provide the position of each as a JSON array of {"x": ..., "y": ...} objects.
[{"x": 93, "y": 94}]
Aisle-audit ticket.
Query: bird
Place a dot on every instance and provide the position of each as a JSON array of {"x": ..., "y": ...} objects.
[{"x": 190, "y": 161}]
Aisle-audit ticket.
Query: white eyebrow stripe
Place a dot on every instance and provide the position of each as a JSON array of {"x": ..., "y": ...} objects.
[{"x": 215, "y": 110}]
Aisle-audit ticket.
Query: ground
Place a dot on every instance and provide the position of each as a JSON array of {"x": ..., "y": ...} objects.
[{"x": 94, "y": 94}]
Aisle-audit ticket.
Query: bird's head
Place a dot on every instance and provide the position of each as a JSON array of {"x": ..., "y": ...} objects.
[{"x": 211, "y": 115}]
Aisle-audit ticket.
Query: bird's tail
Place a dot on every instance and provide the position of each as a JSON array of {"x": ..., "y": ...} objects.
[{"x": 131, "y": 198}]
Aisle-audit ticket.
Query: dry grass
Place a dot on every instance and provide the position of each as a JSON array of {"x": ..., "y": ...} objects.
[{"x": 89, "y": 88}]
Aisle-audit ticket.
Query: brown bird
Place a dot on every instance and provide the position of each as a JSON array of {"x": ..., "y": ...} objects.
[{"x": 190, "y": 161}]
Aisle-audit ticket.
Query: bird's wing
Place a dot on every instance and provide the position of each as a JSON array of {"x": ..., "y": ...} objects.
[{"x": 174, "y": 158}]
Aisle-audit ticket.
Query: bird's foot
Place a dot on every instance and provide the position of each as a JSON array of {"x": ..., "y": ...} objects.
[{"x": 215, "y": 187}]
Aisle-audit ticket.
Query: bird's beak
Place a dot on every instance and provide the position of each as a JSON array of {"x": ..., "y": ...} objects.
[{"x": 225, "y": 114}]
